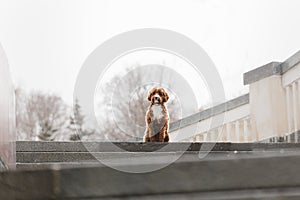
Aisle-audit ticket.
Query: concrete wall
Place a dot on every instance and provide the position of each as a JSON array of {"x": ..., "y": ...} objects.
[{"x": 7, "y": 114}]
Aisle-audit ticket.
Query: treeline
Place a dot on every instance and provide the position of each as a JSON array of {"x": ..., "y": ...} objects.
[{"x": 44, "y": 116}]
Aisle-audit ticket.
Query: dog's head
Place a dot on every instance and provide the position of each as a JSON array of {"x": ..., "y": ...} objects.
[{"x": 158, "y": 95}]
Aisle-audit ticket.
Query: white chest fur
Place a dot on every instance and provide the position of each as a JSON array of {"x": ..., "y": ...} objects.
[{"x": 157, "y": 111}]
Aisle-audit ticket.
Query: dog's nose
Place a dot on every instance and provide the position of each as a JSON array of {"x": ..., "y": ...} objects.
[{"x": 156, "y": 98}]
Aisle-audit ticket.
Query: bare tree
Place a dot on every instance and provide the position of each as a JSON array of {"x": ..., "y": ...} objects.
[
  {"x": 129, "y": 114},
  {"x": 25, "y": 120},
  {"x": 39, "y": 115}
]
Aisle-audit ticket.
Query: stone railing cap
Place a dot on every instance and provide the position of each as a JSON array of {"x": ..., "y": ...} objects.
[
  {"x": 270, "y": 69},
  {"x": 205, "y": 114},
  {"x": 290, "y": 62}
]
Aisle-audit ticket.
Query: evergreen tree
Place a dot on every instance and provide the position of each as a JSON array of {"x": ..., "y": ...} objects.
[{"x": 76, "y": 122}]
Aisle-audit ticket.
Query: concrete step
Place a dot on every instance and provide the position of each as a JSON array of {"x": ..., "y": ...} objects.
[
  {"x": 62, "y": 160},
  {"x": 57, "y": 160},
  {"x": 41, "y": 155},
  {"x": 31, "y": 146},
  {"x": 254, "y": 177},
  {"x": 57, "y": 165},
  {"x": 42, "y": 160}
]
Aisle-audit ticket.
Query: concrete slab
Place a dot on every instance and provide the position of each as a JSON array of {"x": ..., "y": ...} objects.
[
  {"x": 26, "y": 146},
  {"x": 249, "y": 177}
]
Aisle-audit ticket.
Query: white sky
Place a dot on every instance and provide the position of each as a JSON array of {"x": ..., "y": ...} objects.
[
  {"x": 151, "y": 57},
  {"x": 47, "y": 41}
]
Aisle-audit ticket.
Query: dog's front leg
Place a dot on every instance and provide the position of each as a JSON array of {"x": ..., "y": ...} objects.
[
  {"x": 149, "y": 129},
  {"x": 147, "y": 139},
  {"x": 152, "y": 133}
]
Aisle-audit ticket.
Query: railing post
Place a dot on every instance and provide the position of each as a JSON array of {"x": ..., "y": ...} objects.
[
  {"x": 289, "y": 109},
  {"x": 295, "y": 109},
  {"x": 228, "y": 132},
  {"x": 246, "y": 137}
]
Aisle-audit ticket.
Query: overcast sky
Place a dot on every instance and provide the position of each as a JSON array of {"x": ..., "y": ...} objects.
[{"x": 47, "y": 41}]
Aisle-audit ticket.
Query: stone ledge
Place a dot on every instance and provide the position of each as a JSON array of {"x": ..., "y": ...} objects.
[
  {"x": 30, "y": 146},
  {"x": 137, "y": 158},
  {"x": 206, "y": 177},
  {"x": 60, "y": 160}
]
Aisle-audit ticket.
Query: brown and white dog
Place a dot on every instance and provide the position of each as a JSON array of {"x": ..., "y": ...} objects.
[{"x": 157, "y": 116}]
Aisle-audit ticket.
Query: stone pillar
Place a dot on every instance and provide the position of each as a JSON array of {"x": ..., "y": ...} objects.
[{"x": 268, "y": 111}]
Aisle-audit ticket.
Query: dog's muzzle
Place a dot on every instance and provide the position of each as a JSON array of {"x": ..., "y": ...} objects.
[{"x": 156, "y": 99}]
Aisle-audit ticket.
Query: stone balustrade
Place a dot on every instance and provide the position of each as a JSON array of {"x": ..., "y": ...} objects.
[
  {"x": 271, "y": 110},
  {"x": 234, "y": 125},
  {"x": 274, "y": 99}
]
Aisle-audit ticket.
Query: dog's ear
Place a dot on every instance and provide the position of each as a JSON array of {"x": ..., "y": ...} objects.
[
  {"x": 149, "y": 96},
  {"x": 166, "y": 96},
  {"x": 150, "y": 93}
]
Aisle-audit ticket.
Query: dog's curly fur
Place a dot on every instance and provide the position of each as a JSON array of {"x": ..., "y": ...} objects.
[{"x": 157, "y": 116}]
